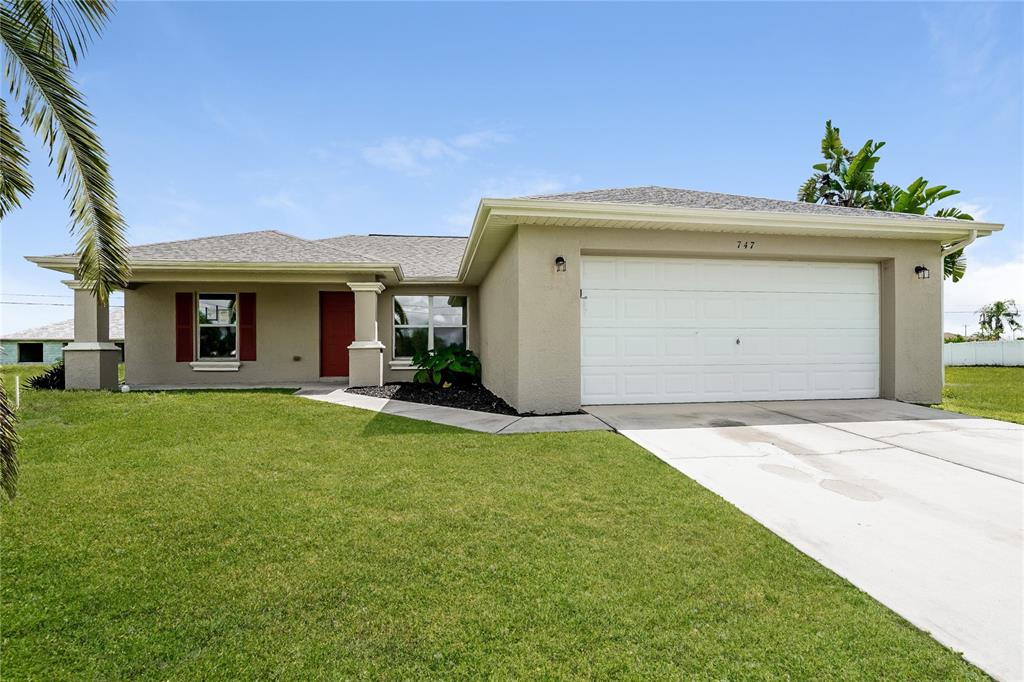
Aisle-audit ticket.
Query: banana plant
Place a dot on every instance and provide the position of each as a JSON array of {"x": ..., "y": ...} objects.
[{"x": 848, "y": 179}]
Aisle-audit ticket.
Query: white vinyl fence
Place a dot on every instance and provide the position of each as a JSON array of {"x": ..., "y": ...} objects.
[{"x": 1006, "y": 353}]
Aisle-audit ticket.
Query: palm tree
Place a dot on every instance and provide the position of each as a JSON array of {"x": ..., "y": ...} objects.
[
  {"x": 42, "y": 41},
  {"x": 995, "y": 318},
  {"x": 848, "y": 179}
]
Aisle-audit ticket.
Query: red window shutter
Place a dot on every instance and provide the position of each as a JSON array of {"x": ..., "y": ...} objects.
[
  {"x": 184, "y": 313},
  {"x": 246, "y": 326}
]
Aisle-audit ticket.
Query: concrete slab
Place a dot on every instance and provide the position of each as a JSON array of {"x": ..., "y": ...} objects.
[
  {"x": 984, "y": 444},
  {"x": 556, "y": 423},
  {"x": 485, "y": 422},
  {"x": 686, "y": 415},
  {"x": 863, "y": 410},
  {"x": 910, "y": 504}
]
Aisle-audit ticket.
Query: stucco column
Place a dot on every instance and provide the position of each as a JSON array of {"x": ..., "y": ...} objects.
[
  {"x": 90, "y": 361},
  {"x": 366, "y": 354}
]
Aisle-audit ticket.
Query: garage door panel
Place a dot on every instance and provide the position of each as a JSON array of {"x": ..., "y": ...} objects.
[{"x": 665, "y": 330}]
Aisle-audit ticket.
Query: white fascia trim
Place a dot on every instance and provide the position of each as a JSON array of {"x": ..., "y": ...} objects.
[
  {"x": 375, "y": 287},
  {"x": 214, "y": 366},
  {"x": 962, "y": 244},
  {"x": 716, "y": 220},
  {"x": 360, "y": 345},
  {"x": 91, "y": 345},
  {"x": 69, "y": 264}
]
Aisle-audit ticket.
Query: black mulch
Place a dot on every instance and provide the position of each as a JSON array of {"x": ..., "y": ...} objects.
[{"x": 467, "y": 397}]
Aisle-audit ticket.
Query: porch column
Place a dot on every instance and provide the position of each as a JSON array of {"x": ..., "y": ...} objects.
[
  {"x": 90, "y": 361},
  {"x": 366, "y": 354}
]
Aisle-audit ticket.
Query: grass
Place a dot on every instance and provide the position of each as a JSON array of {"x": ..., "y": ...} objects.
[
  {"x": 258, "y": 535},
  {"x": 993, "y": 392}
]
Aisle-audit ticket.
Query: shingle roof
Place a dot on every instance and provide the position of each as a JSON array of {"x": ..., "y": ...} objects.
[
  {"x": 419, "y": 256},
  {"x": 267, "y": 246},
  {"x": 652, "y": 195},
  {"x": 65, "y": 330}
]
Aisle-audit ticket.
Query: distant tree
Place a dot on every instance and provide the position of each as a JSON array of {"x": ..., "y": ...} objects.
[
  {"x": 996, "y": 318},
  {"x": 41, "y": 40},
  {"x": 848, "y": 179}
]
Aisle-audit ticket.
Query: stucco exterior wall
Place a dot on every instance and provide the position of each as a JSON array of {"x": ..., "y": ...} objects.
[
  {"x": 548, "y": 325},
  {"x": 499, "y": 341},
  {"x": 287, "y": 327}
]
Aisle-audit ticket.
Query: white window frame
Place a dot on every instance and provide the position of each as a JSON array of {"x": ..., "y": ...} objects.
[
  {"x": 407, "y": 359},
  {"x": 199, "y": 326}
]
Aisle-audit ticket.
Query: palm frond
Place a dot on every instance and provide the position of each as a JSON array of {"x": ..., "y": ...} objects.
[
  {"x": 67, "y": 27},
  {"x": 8, "y": 445},
  {"x": 953, "y": 212},
  {"x": 808, "y": 191},
  {"x": 56, "y": 111},
  {"x": 15, "y": 182},
  {"x": 954, "y": 266}
]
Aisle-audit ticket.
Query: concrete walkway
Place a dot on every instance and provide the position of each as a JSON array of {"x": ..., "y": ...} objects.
[
  {"x": 920, "y": 508},
  {"x": 485, "y": 422}
]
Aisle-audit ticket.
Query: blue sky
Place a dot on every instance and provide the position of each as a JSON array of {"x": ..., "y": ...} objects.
[{"x": 321, "y": 119}]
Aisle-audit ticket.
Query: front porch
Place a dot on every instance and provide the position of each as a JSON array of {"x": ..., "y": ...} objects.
[{"x": 241, "y": 334}]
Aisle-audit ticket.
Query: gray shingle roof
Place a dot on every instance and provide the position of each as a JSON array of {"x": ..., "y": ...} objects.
[
  {"x": 652, "y": 195},
  {"x": 65, "y": 329},
  {"x": 267, "y": 246},
  {"x": 433, "y": 257}
]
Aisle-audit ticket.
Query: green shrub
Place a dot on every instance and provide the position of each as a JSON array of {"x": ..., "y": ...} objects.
[
  {"x": 52, "y": 378},
  {"x": 447, "y": 367}
]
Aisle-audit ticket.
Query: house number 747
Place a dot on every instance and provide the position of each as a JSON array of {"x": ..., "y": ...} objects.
[{"x": 745, "y": 245}]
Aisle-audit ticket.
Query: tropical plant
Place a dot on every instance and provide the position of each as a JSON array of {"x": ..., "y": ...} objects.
[
  {"x": 848, "y": 179},
  {"x": 998, "y": 317},
  {"x": 52, "y": 378},
  {"x": 446, "y": 367},
  {"x": 41, "y": 41},
  {"x": 845, "y": 178}
]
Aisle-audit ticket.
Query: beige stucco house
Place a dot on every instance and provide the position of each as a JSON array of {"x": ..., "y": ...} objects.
[{"x": 636, "y": 295}]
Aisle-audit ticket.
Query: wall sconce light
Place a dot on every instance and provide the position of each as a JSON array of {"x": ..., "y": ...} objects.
[
  {"x": 922, "y": 272},
  {"x": 559, "y": 264}
]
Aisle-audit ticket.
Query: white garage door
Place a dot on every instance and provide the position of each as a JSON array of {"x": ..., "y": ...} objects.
[{"x": 658, "y": 330}]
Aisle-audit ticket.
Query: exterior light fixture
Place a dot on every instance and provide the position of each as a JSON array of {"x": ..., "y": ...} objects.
[
  {"x": 922, "y": 272},
  {"x": 559, "y": 264}
]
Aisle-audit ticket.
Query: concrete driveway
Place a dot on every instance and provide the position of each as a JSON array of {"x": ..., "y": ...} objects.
[{"x": 920, "y": 508}]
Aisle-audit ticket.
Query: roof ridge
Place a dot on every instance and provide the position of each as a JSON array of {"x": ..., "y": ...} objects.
[
  {"x": 582, "y": 196},
  {"x": 215, "y": 236},
  {"x": 399, "y": 236}
]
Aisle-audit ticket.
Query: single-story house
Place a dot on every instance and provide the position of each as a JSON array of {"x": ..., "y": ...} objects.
[
  {"x": 46, "y": 343},
  {"x": 635, "y": 295}
]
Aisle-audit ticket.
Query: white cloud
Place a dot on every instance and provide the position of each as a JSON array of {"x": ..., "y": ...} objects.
[
  {"x": 461, "y": 220},
  {"x": 417, "y": 155},
  {"x": 281, "y": 200},
  {"x": 984, "y": 283},
  {"x": 978, "y": 211}
]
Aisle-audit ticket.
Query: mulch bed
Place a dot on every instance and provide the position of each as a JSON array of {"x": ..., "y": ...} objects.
[{"x": 467, "y": 397}]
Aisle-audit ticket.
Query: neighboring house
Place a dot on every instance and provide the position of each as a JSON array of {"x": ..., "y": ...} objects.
[
  {"x": 46, "y": 344},
  {"x": 638, "y": 295}
]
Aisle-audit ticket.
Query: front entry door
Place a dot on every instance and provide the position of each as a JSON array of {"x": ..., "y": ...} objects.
[{"x": 337, "y": 331}]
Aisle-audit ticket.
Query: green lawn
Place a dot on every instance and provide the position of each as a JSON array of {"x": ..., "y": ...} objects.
[
  {"x": 226, "y": 535},
  {"x": 995, "y": 392}
]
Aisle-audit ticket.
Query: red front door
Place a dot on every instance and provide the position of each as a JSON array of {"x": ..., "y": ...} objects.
[{"x": 337, "y": 331}]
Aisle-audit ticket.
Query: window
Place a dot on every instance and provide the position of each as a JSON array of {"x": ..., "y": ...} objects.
[
  {"x": 30, "y": 352},
  {"x": 218, "y": 326},
  {"x": 429, "y": 323}
]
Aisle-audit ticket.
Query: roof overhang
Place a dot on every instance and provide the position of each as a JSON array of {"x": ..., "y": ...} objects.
[
  {"x": 496, "y": 219},
  {"x": 221, "y": 271}
]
